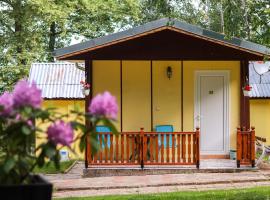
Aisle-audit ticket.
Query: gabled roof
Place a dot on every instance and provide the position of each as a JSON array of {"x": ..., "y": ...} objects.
[
  {"x": 158, "y": 25},
  {"x": 260, "y": 84},
  {"x": 57, "y": 80}
]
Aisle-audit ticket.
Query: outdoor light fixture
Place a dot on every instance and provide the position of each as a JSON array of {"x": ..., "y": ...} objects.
[{"x": 169, "y": 72}]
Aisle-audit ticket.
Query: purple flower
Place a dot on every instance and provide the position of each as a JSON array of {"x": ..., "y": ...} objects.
[
  {"x": 6, "y": 103},
  {"x": 29, "y": 122},
  {"x": 26, "y": 94},
  {"x": 104, "y": 105},
  {"x": 18, "y": 116},
  {"x": 60, "y": 133}
]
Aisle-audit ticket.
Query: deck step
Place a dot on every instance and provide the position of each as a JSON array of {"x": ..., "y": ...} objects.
[{"x": 136, "y": 171}]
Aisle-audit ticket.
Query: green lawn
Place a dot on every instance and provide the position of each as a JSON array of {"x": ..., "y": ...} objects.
[
  {"x": 258, "y": 193},
  {"x": 50, "y": 168}
]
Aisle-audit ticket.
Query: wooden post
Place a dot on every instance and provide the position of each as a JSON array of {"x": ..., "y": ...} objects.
[
  {"x": 198, "y": 147},
  {"x": 252, "y": 146},
  {"x": 244, "y": 101},
  {"x": 88, "y": 78},
  {"x": 142, "y": 147},
  {"x": 239, "y": 147}
]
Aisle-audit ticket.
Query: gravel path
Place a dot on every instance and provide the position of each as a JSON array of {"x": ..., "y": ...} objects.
[{"x": 72, "y": 184}]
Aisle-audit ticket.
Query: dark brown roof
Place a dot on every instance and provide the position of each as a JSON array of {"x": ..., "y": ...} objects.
[{"x": 154, "y": 32}]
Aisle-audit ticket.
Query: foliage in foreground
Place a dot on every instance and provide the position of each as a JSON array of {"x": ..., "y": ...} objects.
[
  {"x": 257, "y": 193},
  {"x": 20, "y": 109}
]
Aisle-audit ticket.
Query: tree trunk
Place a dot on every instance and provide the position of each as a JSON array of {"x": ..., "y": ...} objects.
[
  {"x": 246, "y": 19},
  {"x": 18, "y": 29},
  {"x": 222, "y": 18},
  {"x": 52, "y": 41}
]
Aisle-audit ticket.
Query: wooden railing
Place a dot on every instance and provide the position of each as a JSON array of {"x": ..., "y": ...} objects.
[
  {"x": 246, "y": 147},
  {"x": 147, "y": 148}
]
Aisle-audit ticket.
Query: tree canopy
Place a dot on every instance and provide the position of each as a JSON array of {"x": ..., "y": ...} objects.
[{"x": 30, "y": 30}]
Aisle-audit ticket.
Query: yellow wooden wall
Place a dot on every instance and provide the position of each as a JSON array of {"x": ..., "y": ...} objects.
[
  {"x": 260, "y": 117},
  {"x": 107, "y": 78},
  {"x": 167, "y": 94},
  {"x": 136, "y": 92},
  {"x": 63, "y": 107},
  {"x": 136, "y": 95}
]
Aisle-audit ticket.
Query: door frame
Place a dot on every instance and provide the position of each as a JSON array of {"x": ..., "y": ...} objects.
[{"x": 226, "y": 127}]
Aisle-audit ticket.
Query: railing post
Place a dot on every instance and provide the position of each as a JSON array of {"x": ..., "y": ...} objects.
[
  {"x": 239, "y": 147},
  {"x": 142, "y": 147},
  {"x": 252, "y": 146},
  {"x": 198, "y": 147}
]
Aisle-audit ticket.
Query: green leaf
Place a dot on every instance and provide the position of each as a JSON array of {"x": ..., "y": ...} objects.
[
  {"x": 40, "y": 161},
  {"x": 94, "y": 146},
  {"x": 50, "y": 152},
  {"x": 26, "y": 130},
  {"x": 109, "y": 123},
  {"x": 82, "y": 144},
  {"x": 9, "y": 164}
]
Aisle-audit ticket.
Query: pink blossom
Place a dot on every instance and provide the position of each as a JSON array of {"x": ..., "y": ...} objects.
[
  {"x": 26, "y": 94},
  {"x": 104, "y": 105},
  {"x": 29, "y": 122},
  {"x": 60, "y": 133},
  {"x": 6, "y": 103},
  {"x": 18, "y": 116}
]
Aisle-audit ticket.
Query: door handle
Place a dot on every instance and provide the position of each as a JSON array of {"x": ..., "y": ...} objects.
[{"x": 198, "y": 117}]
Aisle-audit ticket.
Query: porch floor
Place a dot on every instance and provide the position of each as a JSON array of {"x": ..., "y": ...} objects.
[{"x": 206, "y": 166}]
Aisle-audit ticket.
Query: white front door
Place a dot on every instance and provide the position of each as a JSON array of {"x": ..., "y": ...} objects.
[{"x": 211, "y": 111}]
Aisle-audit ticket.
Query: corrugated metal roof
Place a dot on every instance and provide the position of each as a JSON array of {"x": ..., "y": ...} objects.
[
  {"x": 165, "y": 22},
  {"x": 260, "y": 84},
  {"x": 57, "y": 80}
]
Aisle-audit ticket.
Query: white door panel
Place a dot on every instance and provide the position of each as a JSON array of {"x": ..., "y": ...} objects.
[
  {"x": 211, "y": 112},
  {"x": 211, "y": 108}
]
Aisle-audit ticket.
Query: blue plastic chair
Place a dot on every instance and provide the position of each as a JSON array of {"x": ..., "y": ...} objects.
[
  {"x": 164, "y": 129},
  {"x": 104, "y": 129}
]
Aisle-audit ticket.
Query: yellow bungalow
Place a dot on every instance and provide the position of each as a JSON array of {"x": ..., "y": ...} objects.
[{"x": 167, "y": 73}]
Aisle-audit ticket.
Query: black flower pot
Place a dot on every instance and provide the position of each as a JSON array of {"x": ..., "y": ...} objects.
[{"x": 38, "y": 189}]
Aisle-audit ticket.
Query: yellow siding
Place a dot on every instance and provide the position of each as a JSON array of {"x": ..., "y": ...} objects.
[
  {"x": 260, "y": 117},
  {"x": 188, "y": 97},
  {"x": 107, "y": 78},
  {"x": 136, "y": 79},
  {"x": 167, "y": 94},
  {"x": 63, "y": 107}
]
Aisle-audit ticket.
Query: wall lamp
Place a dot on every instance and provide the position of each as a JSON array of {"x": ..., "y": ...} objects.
[{"x": 169, "y": 72}]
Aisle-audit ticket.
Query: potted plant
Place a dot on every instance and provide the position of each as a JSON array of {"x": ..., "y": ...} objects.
[
  {"x": 85, "y": 88},
  {"x": 247, "y": 90},
  {"x": 20, "y": 111}
]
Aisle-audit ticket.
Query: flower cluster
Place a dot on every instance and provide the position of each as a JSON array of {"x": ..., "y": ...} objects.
[
  {"x": 104, "y": 105},
  {"x": 21, "y": 108},
  {"x": 6, "y": 103},
  {"x": 28, "y": 95},
  {"x": 85, "y": 85},
  {"x": 60, "y": 133},
  {"x": 247, "y": 88},
  {"x": 24, "y": 94}
]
